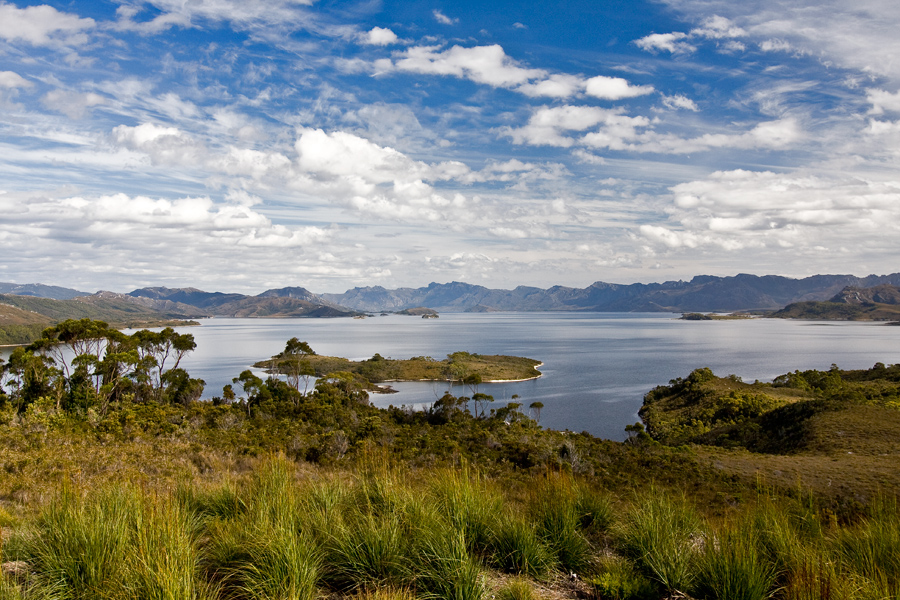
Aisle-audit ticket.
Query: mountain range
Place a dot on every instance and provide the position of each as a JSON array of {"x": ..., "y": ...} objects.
[{"x": 704, "y": 293}]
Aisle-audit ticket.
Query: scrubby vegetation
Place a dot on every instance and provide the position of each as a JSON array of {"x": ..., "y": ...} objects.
[
  {"x": 461, "y": 367},
  {"x": 116, "y": 483}
]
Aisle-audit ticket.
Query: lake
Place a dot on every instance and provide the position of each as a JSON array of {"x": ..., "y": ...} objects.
[{"x": 597, "y": 366}]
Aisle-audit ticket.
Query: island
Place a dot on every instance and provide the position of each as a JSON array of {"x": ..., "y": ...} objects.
[{"x": 298, "y": 359}]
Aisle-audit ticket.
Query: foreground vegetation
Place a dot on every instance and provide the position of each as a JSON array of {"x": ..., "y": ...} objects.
[{"x": 116, "y": 485}]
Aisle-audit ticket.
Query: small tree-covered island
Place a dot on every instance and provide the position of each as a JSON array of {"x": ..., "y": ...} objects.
[{"x": 118, "y": 479}]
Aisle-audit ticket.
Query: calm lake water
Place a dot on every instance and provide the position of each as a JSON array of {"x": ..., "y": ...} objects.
[{"x": 597, "y": 366}]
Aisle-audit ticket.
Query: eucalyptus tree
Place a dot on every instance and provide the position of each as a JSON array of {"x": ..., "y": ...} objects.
[
  {"x": 28, "y": 376},
  {"x": 71, "y": 339},
  {"x": 76, "y": 346},
  {"x": 294, "y": 363},
  {"x": 159, "y": 355}
]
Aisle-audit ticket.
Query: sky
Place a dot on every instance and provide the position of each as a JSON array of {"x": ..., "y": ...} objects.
[{"x": 241, "y": 146}]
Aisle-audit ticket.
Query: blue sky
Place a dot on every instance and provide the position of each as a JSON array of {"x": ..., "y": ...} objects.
[{"x": 239, "y": 146}]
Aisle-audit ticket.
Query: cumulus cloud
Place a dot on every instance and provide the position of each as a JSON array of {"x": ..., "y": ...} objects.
[
  {"x": 162, "y": 145},
  {"x": 380, "y": 36},
  {"x": 668, "y": 42},
  {"x": 483, "y": 64},
  {"x": 715, "y": 27},
  {"x": 553, "y": 126},
  {"x": 558, "y": 85},
  {"x": 135, "y": 235},
  {"x": 443, "y": 19},
  {"x": 43, "y": 26},
  {"x": 882, "y": 101},
  {"x": 72, "y": 104},
  {"x": 736, "y": 210},
  {"x": 679, "y": 102},
  {"x": 548, "y": 126},
  {"x": 491, "y": 65},
  {"x": 10, "y": 81},
  {"x": 614, "y": 88}
]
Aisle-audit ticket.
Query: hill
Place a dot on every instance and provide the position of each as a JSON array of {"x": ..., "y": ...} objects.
[
  {"x": 836, "y": 432},
  {"x": 40, "y": 290},
  {"x": 879, "y": 303},
  {"x": 22, "y": 318},
  {"x": 701, "y": 294},
  {"x": 284, "y": 302}
]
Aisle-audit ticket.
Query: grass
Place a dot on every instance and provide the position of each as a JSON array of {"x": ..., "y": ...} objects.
[
  {"x": 557, "y": 510},
  {"x": 731, "y": 566},
  {"x": 284, "y": 532},
  {"x": 663, "y": 536}
]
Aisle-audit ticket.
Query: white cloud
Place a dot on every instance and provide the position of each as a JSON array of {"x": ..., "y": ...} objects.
[
  {"x": 557, "y": 85},
  {"x": 547, "y": 125},
  {"x": 586, "y": 157},
  {"x": 483, "y": 64},
  {"x": 163, "y": 145},
  {"x": 340, "y": 154},
  {"x": 737, "y": 210},
  {"x": 380, "y": 36},
  {"x": 669, "y": 42},
  {"x": 42, "y": 26},
  {"x": 717, "y": 27},
  {"x": 277, "y": 14},
  {"x": 679, "y": 102},
  {"x": 72, "y": 104},
  {"x": 443, "y": 19},
  {"x": 10, "y": 81},
  {"x": 614, "y": 88},
  {"x": 773, "y": 45},
  {"x": 156, "y": 229},
  {"x": 882, "y": 100}
]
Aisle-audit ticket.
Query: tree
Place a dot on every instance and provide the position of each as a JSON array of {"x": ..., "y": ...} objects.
[
  {"x": 536, "y": 410},
  {"x": 481, "y": 399},
  {"x": 155, "y": 349},
  {"x": 30, "y": 376},
  {"x": 73, "y": 338},
  {"x": 292, "y": 362}
]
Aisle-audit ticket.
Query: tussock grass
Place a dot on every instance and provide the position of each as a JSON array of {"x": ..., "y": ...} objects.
[
  {"x": 662, "y": 535},
  {"x": 516, "y": 548},
  {"x": 378, "y": 531},
  {"x": 557, "y": 510},
  {"x": 80, "y": 542},
  {"x": 470, "y": 503},
  {"x": 517, "y": 588},
  {"x": 731, "y": 566},
  {"x": 872, "y": 549}
]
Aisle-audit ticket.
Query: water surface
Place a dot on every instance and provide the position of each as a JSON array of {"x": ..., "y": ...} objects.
[{"x": 597, "y": 366}]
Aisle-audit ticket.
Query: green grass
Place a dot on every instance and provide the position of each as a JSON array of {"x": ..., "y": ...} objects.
[
  {"x": 662, "y": 535},
  {"x": 558, "y": 513},
  {"x": 516, "y": 547},
  {"x": 731, "y": 566}
]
